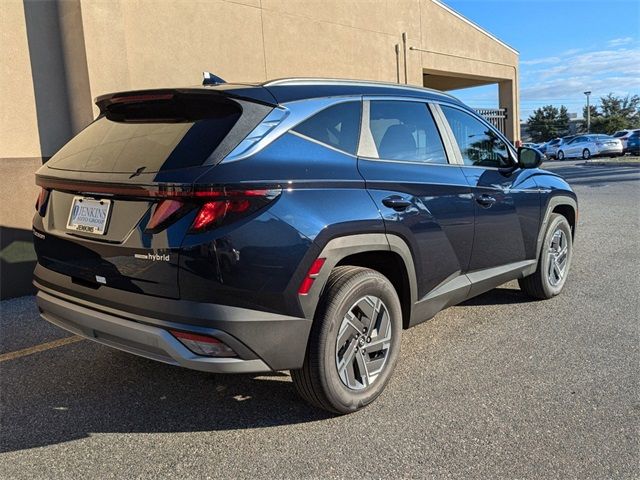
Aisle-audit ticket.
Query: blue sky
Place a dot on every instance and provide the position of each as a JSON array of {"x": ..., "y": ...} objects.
[{"x": 566, "y": 47}]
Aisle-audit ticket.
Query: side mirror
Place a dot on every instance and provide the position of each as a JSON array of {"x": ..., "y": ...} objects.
[{"x": 529, "y": 157}]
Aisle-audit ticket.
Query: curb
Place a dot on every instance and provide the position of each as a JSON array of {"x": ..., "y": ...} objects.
[{"x": 610, "y": 164}]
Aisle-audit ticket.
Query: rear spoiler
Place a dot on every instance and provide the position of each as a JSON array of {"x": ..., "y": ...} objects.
[{"x": 253, "y": 93}]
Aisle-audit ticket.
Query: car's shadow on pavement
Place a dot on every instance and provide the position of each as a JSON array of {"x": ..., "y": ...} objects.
[
  {"x": 74, "y": 391},
  {"x": 499, "y": 296}
]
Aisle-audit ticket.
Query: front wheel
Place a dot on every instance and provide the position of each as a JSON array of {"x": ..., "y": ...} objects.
[
  {"x": 354, "y": 341},
  {"x": 560, "y": 155},
  {"x": 586, "y": 154},
  {"x": 553, "y": 263}
]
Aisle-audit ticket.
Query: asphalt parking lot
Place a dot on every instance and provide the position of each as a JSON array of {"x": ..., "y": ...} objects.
[{"x": 500, "y": 386}]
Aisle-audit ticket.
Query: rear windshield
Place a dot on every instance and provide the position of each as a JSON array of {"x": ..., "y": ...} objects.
[{"x": 151, "y": 136}]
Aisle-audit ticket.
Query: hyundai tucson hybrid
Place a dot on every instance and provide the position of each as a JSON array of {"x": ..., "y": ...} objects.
[{"x": 298, "y": 224}]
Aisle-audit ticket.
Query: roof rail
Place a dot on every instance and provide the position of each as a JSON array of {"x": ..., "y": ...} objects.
[{"x": 343, "y": 81}]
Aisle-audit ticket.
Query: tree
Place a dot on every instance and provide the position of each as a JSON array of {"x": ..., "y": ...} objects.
[
  {"x": 548, "y": 122},
  {"x": 614, "y": 113}
]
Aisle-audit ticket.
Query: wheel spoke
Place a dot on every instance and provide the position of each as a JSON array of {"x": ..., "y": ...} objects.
[
  {"x": 552, "y": 262},
  {"x": 345, "y": 366},
  {"x": 350, "y": 375},
  {"x": 557, "y": 271},
  {"x": 375, "y": 366},
  {"x": 378, "y": 344},
  {"x": 362, "y": 366},
  {"x": 562, "y": 254},
  {"x": 354, "y": 321}
]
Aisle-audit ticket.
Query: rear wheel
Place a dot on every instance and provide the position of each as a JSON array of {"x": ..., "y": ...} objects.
[
  {"x": 354, "y": 341},
  {"x": 586, "y": 154},
  {"x": 560, "y": 155},
  {"x": 553, "y": 263}
]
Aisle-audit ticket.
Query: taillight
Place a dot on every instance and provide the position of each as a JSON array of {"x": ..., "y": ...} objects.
[
  {"x": 313, "y": 272},
  {"x": 228, "y": 205},
  {"x": 215, "y": 206},
  {"x": 203, "y": 344},
  {"x": 209, "y": 214},
  {"x": 164, "y": 213},
  {"x": 41, "y": 201}
]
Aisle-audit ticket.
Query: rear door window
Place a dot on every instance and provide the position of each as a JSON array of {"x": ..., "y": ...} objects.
[
  {"x": 405, "y": 131},
  {"x": 154, "y": 136},
  {"x": 337, "y": 126}
]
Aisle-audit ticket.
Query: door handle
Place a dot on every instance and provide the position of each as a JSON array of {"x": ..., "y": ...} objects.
[
  {"x": 485, "y": 200},
  {"x": 396, "y": 202}
]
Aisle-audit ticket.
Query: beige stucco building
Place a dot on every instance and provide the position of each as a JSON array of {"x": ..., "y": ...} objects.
[{"x": 57, "y": 56}]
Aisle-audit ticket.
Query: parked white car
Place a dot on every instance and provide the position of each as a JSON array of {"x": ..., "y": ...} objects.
[
  {"x": 623, "y": 136},
  {"x": 587, "y": 146},
  {"x": 553, "y": 146}
]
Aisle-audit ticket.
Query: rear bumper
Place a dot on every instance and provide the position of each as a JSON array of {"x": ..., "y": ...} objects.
[
  {"x": 139, "y": 324},
  {"x": 609, "y": 151},
  {"x": 143, "y": 340}
]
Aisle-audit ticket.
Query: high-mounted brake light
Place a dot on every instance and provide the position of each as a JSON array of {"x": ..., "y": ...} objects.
[
  {"x": 203, "y": 344},
  {"x": 313, "y": 272},
  {"x": 141, "y": 98}
]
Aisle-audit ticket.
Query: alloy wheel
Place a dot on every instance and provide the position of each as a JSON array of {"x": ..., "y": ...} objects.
[
  {"x": 363, "y": 343},
  {"x": 586, "y": 154},
  {"x": 558, "y": 257}
]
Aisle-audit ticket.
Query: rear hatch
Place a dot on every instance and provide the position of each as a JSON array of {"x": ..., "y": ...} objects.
[{"x": 108, "y": 212}]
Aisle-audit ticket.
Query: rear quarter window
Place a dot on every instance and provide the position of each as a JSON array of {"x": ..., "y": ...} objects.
[{"x": 337, "y": 126}]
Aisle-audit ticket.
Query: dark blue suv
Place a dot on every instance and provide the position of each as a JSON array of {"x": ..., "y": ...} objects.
[{"x": 297, "y": 224}]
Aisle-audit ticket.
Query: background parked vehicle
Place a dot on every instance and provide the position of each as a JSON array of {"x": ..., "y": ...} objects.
[
  {"x": 633, "y": 143},
  {"x": 543, "y": 148},
  {"x": 623, "y": 136},
  {"x": 587, "y": 146},
  {"x": 555, "y": 145},
  {"x": 551, "y": 148}
]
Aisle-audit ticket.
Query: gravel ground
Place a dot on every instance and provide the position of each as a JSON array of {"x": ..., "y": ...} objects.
[{"x": 497, "y": 387}]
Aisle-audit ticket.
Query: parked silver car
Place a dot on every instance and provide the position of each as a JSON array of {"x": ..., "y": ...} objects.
[{"x": 586, "y": 146}]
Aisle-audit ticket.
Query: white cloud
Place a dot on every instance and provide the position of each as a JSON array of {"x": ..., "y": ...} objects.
[
  {"x": 611, "y": 69},
  {"x": 616, "y": 42},
  {"x": 540, "y": 61},
  {"x": 599, "y": 62},
  {"x": 572, "y": 51}
]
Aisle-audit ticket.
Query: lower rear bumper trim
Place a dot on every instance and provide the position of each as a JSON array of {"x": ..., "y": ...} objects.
[{"x": 133, "y": 337}]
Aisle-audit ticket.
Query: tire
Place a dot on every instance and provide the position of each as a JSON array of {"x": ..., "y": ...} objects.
[
  {"x": 320, "y": 381},
  {"x": 586, "y": 154},
  {"x": 544, "y": 283},
  {"x": 560, "y": 155}
]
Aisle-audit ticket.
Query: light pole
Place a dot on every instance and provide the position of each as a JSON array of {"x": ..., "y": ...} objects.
[{"x": 587, "y": 93}]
